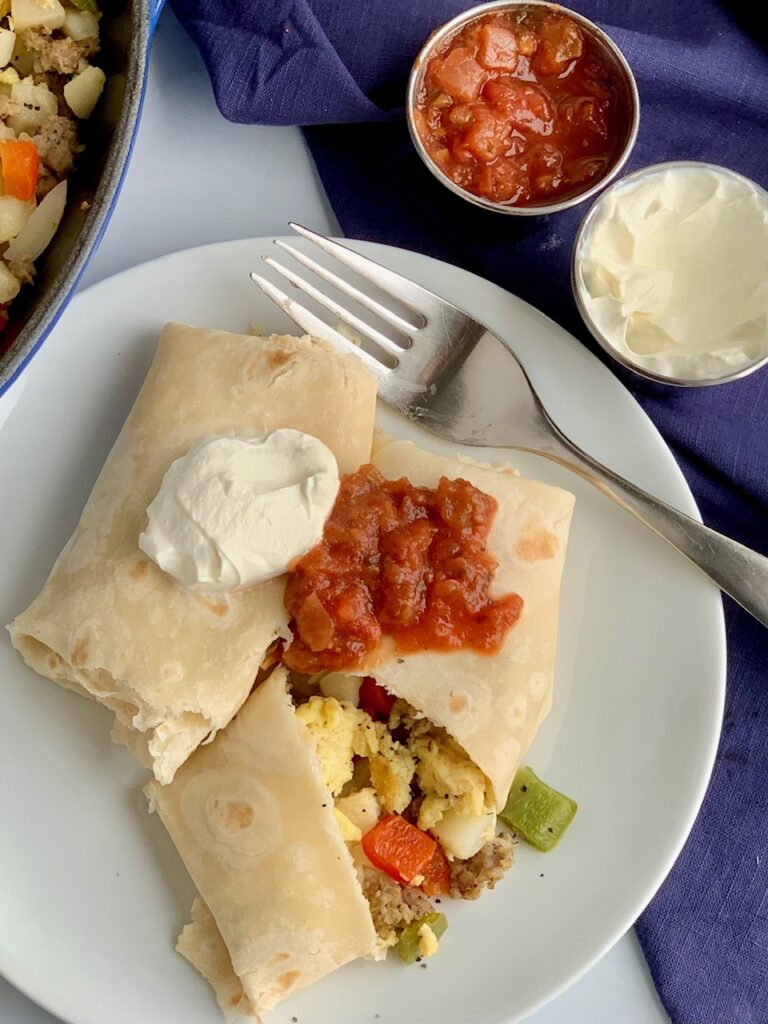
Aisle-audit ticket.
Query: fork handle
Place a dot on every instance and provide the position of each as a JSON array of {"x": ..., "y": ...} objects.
[{"x": 735, "y": 568}]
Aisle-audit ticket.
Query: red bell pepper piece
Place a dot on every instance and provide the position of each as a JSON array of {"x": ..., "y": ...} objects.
[
  {"x": 374, "y": 699},
  {"x": 399, "y": 849},
  {"x": 437, "y": 875}
]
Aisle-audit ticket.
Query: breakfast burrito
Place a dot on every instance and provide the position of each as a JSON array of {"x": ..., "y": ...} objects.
[
  {"x": 174, "y": 664},
  {"x": 361, "y": 783}
]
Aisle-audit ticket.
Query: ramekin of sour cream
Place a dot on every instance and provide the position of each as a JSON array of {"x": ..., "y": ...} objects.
[{"x": 670, "y": 272}]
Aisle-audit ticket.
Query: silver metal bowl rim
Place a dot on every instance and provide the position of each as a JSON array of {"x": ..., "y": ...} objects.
[
  {"x": 440, "y": 34},
  {"x": 577, "y": 283}
]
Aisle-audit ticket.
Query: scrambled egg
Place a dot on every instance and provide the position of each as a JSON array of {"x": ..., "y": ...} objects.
[
  {"x": 428, "y": 943},
  {"x": 392, "y": 770},
  {"x": 350, "y": 833},
  {"x": 447, "y": 777},
  {"x": 9, "y": 76},
  {"x": 448, "y": 780},
  {"x": 340, "y": 731}
]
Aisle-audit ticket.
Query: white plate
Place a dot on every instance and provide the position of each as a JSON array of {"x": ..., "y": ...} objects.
[{"x": 93, "y": 894}]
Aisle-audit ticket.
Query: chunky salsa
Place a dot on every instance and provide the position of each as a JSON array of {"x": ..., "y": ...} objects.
[
  {"x": 395, "y": 559},
  {"x": 521, "y": 108}
]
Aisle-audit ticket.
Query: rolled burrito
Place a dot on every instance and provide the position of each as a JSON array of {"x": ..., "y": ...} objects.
[
  {"x": 318, "y": 832},
  {"x": 173, "y": 665},
  {"x": 255, "y": 826}
]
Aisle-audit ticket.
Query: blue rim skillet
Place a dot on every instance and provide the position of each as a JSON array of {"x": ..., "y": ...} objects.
[{"x": 126, "y": 31}]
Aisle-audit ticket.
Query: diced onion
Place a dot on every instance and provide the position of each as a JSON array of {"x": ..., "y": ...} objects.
[
  {"x": 38, "y": 103},
  {"x": 79, "y": 25},
  {"x": 7, "y": 43},
  {"x": 82, "y": 92},
  {"x": 41, "y": 226},
  {"x": 462, "y": 835},
  {"x": 36, "y": 14},
  {"x": 361, "y": 808},
  {"x": 9, "y": 286},
  {"x": 14, "y": 214},
  {"x": 336, "y": 684}
]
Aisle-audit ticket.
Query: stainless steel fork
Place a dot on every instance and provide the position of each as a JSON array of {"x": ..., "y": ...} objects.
[{"x": 455, "y": 377}]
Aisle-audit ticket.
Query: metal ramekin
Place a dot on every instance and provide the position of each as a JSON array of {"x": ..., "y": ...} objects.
[
  {"x": 608, "y": 48},
  {"x": 579, "y": 288}
]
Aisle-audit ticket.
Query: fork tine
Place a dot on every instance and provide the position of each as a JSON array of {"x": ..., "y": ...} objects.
[
  {"x": 318, "y": 328},
  {"x": 386, "y": 314},
  {"x": 420, "y": 300},
  {"x": 336, "y": 308}
]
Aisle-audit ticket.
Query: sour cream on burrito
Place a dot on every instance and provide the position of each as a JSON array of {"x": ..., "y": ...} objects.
[{"x": 236, "y": 511}]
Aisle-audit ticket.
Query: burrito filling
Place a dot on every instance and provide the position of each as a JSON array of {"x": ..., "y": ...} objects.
[{"x": 417, "y": 814}]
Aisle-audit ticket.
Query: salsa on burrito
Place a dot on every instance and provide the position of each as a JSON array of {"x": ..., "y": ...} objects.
[{"x": 396, "y": 559}]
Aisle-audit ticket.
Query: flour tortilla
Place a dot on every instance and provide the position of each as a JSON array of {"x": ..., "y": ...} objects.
[
  {"x": 173, "y": 665},
  {"x": 491, "y": 705},
  {"x": 254, "y": 824},
  {"x": 252, "y": 909}
]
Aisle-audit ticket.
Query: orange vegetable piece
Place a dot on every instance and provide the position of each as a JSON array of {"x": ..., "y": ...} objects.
[
  {"x": 459, "y": 75},
  {"x": 399, "y": 849},
  {"x": 21, "y": 168},
  {"x": 437, "y": 875}
]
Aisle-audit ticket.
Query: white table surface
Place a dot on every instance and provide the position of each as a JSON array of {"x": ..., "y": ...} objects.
[{"x": 172, "y": 200}]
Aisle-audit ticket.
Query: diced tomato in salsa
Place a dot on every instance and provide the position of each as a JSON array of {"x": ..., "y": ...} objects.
[
  {"x": 459, "y": 75},
  {"x": 395, "y": 559},
  {"x": 525, "y": 105},
  {"x": 497, "y": 47},
  {"x": 488, "y": 135},
  {"x": 503, "y": 85}
]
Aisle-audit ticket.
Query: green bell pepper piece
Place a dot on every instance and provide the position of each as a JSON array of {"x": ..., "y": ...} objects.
[
  {"x": 408, "y": 943},
  {"x": 536, "y": 812}
]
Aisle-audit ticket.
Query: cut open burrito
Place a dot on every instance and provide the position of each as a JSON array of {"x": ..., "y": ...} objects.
[
  {"x": 287, "y": 820},
  {"x": 174, "y": 666}
]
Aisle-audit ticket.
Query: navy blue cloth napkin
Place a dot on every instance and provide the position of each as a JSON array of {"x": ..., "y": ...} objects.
[{"x": 703, "y": 79}]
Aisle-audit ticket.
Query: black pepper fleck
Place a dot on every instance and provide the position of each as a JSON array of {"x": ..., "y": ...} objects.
[
  {"x": 524, "y": 789},
  {"x": 423, "y": 966},
  {"x": 541, "y": 875},
  {"x": 401, "y": 661},
  {"x": 550, "y": 829}
]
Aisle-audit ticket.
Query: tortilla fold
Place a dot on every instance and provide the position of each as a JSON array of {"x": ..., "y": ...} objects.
[
  {"x": 491, "y": 704},
  {"x": 254, "y": 824},
  {"x": 174, "y": 666}
]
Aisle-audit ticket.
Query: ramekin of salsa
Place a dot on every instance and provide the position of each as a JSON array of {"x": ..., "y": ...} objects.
[{"x": 522, "y": 107}]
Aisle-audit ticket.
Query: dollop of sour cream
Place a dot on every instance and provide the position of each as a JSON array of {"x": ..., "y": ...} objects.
[
  {"x": 674, "y": 272},
  {"x": 236, "y": 511}
]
